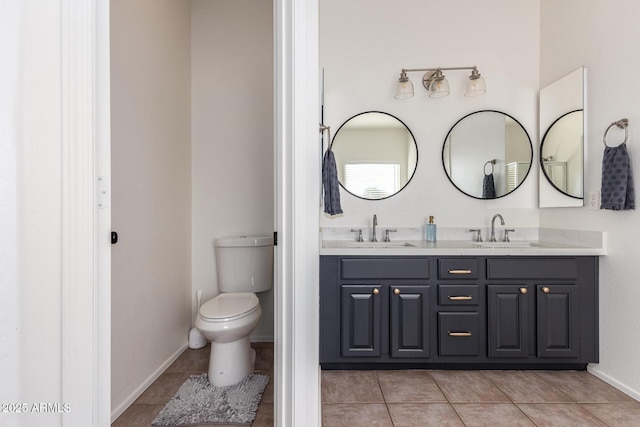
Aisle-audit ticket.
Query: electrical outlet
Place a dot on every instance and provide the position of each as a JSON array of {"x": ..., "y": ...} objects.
[{"x": 594, "y": 200}]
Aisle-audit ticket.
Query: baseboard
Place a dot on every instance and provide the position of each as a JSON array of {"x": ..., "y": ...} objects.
[
  {"x": 119, "y": 410},
  {"x": 593, "y": 369}
]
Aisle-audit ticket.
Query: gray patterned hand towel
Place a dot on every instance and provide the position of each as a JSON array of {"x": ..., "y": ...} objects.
[
  {"x": 617, "y": 190},
  {"x": 330, "y": 184},
  {"x": 488, "y": 187}
]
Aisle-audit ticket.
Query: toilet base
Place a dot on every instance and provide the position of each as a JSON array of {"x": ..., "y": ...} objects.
[{"x": 230, "y": 362}]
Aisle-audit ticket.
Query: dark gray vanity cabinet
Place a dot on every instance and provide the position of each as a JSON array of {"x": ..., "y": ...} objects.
[
  {"x": 510, "y": 323},
  {"x": 456, "y": 312},
  {"x": 543, "y": 307},
  {"x": 409, "y": 321},
  {"x": 375, "y": 309},
  {"x": 360, "y": 320},
  {"x": 521, "y": 321},
  {"x": 558, "y": 322},
  {"x": 461, "y": 325}
]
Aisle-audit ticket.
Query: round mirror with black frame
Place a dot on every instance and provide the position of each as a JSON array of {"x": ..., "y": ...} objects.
[
  {"x": 376, "y": 155},
  {"x": 561, "y": 154},
  {"x": 487, "y": 154}
]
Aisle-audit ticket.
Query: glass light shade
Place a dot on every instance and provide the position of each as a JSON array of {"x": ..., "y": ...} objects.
[
  {"x": 439, "y": 87},
  {"x": 475, "y": 86},
  {"x": 404, "y": 89}
]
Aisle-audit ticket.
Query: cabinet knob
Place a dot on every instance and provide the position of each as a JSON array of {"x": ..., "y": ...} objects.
[
  {"x": 545, "y": 290},
  {"x": 376, "y": 291},
  {"x": 523, "y": 291},
  {"x": 396, "y": 291}
]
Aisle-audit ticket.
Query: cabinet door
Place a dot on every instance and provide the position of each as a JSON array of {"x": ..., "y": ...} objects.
[
  {"x": 509, "y": 324},
  {"x": 558, "y": 325},
  {"x": 360, "y": 320},
  {"x": 409, "y": 321}
]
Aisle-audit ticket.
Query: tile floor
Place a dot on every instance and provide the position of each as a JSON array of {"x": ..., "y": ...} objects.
[
  {"x": 421, "y": 398},
  {"x": 148, "y": 405}
]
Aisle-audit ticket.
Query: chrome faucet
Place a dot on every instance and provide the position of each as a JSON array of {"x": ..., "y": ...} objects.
[
  {"x": 493, "y": 229},
  {"x": 374, "y": 238}
]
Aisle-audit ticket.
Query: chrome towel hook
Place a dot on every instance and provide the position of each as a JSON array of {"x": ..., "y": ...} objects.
[
  {"x": 490, "y": 163},
  {"x": 622, "y": 124}
]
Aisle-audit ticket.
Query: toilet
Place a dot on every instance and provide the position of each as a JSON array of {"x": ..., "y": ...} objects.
[{"x": 245, "y": 266}]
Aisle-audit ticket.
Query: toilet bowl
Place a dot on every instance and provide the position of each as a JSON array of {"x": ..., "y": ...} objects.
[
  {"x": 244, "y": 267},
  {"x": 226, "y": 321}
]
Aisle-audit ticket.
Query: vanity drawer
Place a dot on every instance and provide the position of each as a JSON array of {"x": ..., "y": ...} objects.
[
  {"x": 385, "y": 268},
  {"x": 532, "y": 268},
  {"x": 458, "y": 334},
  {"x": 458, "y": 268},
  {"x": 458, "y": 294}
]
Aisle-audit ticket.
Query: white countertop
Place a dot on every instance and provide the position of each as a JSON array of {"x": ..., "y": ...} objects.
[{"x": 551, "y": 242}]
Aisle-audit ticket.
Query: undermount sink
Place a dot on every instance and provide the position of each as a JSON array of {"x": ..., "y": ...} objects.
[
  {"x": 521, "y": 244},
  {"x": 373, "y": 245}
]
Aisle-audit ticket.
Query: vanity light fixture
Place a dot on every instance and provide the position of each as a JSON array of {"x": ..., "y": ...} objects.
[{"x": 436, "y": 83}]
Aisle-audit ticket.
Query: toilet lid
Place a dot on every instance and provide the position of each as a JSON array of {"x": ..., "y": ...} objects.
[{"x": 229, "y": 305}]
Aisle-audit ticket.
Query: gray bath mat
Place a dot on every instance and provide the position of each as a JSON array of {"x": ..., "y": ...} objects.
[{"x": 197, "y": 402}]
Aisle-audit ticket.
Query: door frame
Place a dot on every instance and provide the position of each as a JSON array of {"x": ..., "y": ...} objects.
[
  {"x": 297, "y": 167},
  {"x": 86, "y": 217},
  {"x": 86, "y": 197}
]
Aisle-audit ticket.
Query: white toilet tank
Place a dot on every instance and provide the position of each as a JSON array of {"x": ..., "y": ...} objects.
[{"x": 245, "y": 264}]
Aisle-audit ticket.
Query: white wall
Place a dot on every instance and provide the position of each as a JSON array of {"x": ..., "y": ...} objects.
[
  {"x": 10, "y": 20},
  {"x": 151, "y": 189},
  {"x": 598, "y": 34},
  {"x": 39, "y": 238},
  {"x": 232, "y": 134},
  {"x": 363, "y": 47}
]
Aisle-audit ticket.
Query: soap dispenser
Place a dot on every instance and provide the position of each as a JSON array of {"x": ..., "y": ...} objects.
[{"x": 430, "y": 230}]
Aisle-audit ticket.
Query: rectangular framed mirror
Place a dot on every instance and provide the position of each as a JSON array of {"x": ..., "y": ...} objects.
[{"x": 562, "y": 121}]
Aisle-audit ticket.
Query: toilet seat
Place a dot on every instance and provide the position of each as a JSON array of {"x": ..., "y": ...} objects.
[{"x": 229, "y": 306}]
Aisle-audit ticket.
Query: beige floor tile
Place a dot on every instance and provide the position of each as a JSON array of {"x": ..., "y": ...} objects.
[
  {"x": 267, "y": 394},
  {"x": 194, "y": 361},
  {"x": 616, "y": 414},
  {"x": 492, "y": 414},
  {"x": 409, "y": 386},
  {"x": 138, "y": 416},
  {"x": 355, "y": 415},
  {"x": 526, "y": 387},
  {"x": 163, "y": 389},
  {"x": 264, "y": 355},
  {"x": 560, "y": 415},
  {"x": 264, "y": 416},
  {"x": 468, "y": 386},
  {"x": 190, "y": 362},
  {"x": 583, "y": 387},
  {"x": 350, "y": 387},
  {"x": 423, "y": 415}
]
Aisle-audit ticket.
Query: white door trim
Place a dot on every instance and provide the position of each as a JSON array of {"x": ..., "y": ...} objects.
[
  {"x": 85, "y": 250},
  {"x": 297, "y": 393}
]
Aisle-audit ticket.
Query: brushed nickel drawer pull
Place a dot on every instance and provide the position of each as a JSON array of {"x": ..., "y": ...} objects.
[
  {"x": 461, "y": 298},
  {"x": 375, "y": 291},
  {"x": 467, "y": 271},
  {"x": 396, "y": 291},
  {"x": 545, "y": 290},
  {"x": 459, "y": 334}
]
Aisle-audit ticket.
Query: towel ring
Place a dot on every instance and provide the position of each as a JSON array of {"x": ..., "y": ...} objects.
[
  {"x": 490, "y": 162},
  {"x": 622, "y": 124}
]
